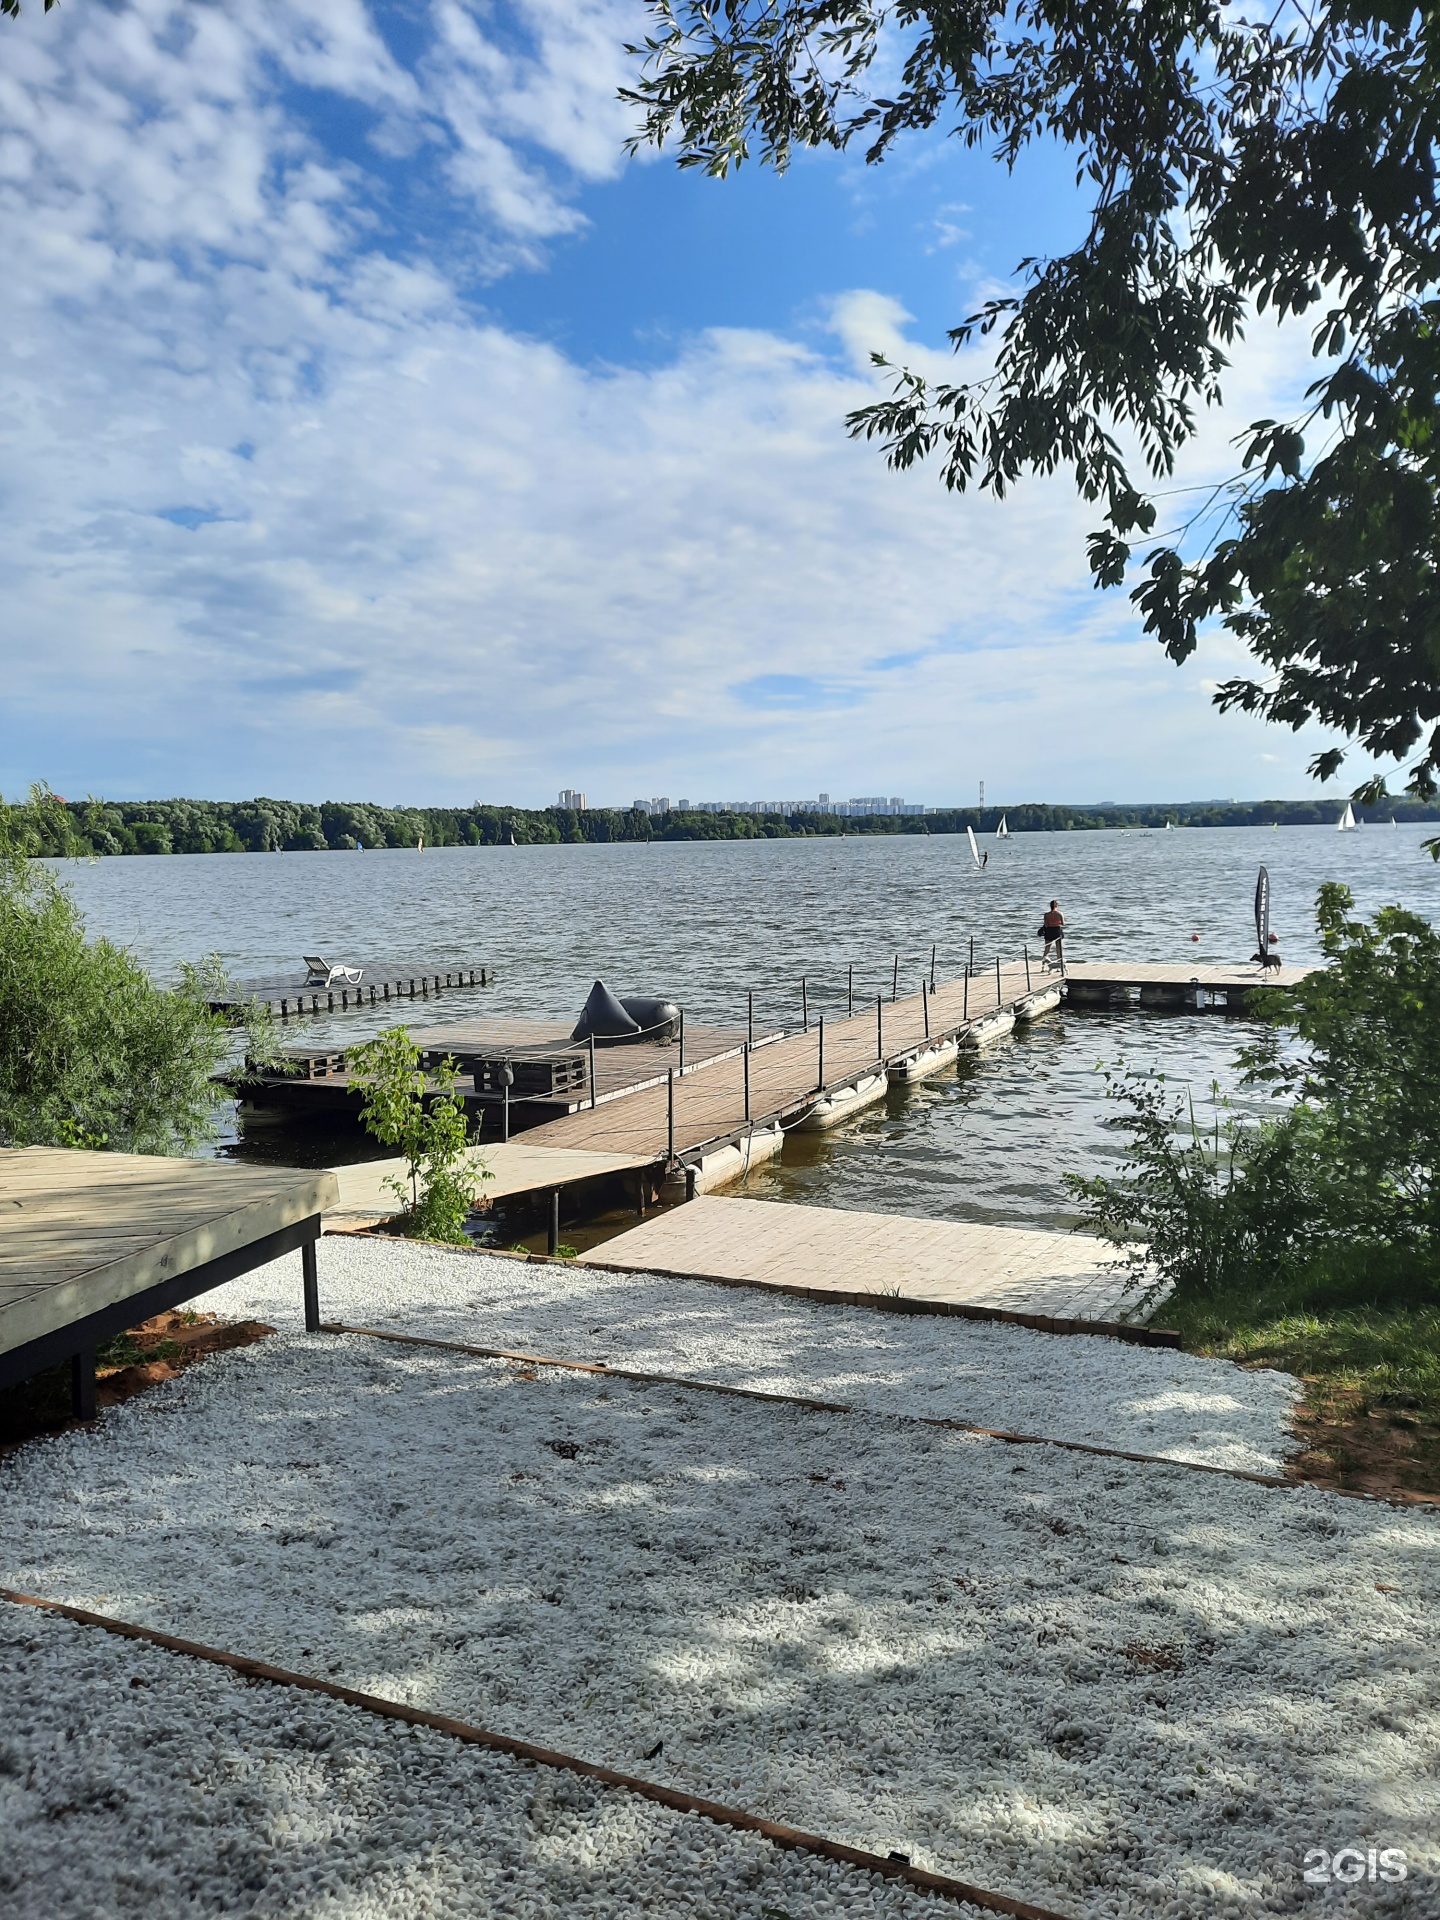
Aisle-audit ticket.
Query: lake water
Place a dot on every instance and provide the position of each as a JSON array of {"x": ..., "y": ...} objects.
[{"x": 705, "y": 922}]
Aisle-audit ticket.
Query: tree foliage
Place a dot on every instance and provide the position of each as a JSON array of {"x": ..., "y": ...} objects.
[
  {"x": 1343, "y": 1185},
  {"x": 92, "y": 1052},
  {"x": 1282, "y": 165},
  {"x": 423, "y": 1117}
]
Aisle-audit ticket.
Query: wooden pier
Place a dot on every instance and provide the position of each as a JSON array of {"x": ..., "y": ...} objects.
[
  {"x": 94, "y": 1243},
  {"x": 780, "y": 1084},
  {"x": 292, "y": 995},
  {"x": 552, "y": 1075},
  {"x": 1119, "y": 983},
  {"x": 366, "y": 1198}
]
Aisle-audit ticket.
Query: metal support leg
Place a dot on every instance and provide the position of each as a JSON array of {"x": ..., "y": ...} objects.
[
  {"x": 552, "y": 1239},
  {"x": 312, "y": 1287},
  {"x": 82, "y": 1383}
]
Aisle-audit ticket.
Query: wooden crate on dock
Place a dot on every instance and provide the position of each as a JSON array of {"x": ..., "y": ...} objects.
[{"x": 545, "y": 1076}]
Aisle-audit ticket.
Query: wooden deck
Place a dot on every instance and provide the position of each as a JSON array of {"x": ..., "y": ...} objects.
[
  {"x": 382, "y": 982},
  {"x": 319, "y": 1078},
  {"x": 516, "y": 1167},
  {"x": 1145, "y": 977},
  {"x": 1057, "y": 1280},
  {"x": 93, "y": 1243},
  {"x": 787, "y": 1076}
]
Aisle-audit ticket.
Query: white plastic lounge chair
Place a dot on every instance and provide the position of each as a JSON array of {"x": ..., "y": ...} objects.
[{"x": 322, "y": 974}]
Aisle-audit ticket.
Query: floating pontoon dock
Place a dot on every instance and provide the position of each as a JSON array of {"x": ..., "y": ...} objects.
[
  {"x": 551, "y": 1075},
  {"x": 295, "y": 993},
  {"x": 1118, "y": 983},
  {"x": 93, "y": 1243}
]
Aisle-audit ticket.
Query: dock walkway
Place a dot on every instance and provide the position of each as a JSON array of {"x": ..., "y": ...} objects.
[
  {"x": 793, "y": 1076},
  {"x": 1058, "y": 1281}
]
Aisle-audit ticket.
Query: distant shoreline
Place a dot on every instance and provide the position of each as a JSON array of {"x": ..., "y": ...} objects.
[{"x": 62, "y": 829}]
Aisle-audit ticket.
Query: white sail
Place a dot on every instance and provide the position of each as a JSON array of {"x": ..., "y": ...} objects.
[
  {"x": 1002, "y": 832},
  {"x": 1347, "y": 820},
  {"x": 974, "y": 850}
]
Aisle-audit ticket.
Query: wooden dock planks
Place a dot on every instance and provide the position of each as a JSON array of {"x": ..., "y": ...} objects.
[
  {"x": 515, "y": 1166},
  {"x": 91, "y": 1243},
  {"x": 784, "y": 1075}
]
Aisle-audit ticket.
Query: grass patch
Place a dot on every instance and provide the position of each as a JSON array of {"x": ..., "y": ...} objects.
[{"x": 1370, "y": 1414}]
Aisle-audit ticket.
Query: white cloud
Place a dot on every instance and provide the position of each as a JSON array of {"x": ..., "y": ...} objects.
[{"x": 412, "y": 553}]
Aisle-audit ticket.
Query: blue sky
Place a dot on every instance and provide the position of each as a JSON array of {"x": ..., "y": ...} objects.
[{"x": 370, "y": 427}]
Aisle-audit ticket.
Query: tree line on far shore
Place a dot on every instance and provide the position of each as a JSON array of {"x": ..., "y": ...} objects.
[{"x": 47, "y": 825}]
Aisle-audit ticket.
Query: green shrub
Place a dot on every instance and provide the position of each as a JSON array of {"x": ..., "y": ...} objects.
[
  {"x": 424, "y": 1117},
  {"x": 1332, "y": 1202},
  {"x": 92, "y": 1052}
]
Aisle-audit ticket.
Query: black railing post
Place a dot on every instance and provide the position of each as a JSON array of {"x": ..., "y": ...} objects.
[
  {"x": 670, "y": 1120},
  {"x": 1027, "y": 969},
  {"x": 552, "y": 1238},
  {"x": 879, "y": 1026},
  {"x": 682, "y": 1040},
  {"x": 925, "y": 1006},
  {"x": 895, "y": 981},
  {"x": 747, "y": 1085},
  {"x": 965, "y": 1010},
  {"x": 932, "y": 969},
  {"x": 851, "y": 988},
  {"x": 592, "y": 1073}
]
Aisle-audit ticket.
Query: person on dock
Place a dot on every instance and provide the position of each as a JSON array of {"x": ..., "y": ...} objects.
[{"x": 1052, "y": 932}]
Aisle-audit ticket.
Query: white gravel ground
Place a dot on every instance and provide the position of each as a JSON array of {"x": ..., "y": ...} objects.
[
  {"x": 1114, "y": 1689},
  {"x": 137, "y": 1782},
  {"x": 1142, "y": 1399}
]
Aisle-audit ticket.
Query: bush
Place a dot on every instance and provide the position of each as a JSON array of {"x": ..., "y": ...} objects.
[
  {"x": 92, "y": 1052},
  {"x": 1334, "y": 1200},
  {"x": 424, "y": 1118}
]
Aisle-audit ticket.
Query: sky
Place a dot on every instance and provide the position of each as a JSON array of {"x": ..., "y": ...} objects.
[{"x": 371, "y": 427}]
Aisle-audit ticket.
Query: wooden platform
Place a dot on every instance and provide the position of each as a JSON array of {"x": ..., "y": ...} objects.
[
  {"x": 365, "y": 1200},
  {"x": 881, "y": 1258},
  {"x": 381, "y": 982},
  {"x": 1175, "y": 982},
  {"x": 93, "y": 1243},
  {"x": 321, "y": 1078},
  {"x": 787, "y": 1076}
]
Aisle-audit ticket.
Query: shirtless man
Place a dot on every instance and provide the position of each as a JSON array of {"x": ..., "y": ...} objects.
[{"x": 1052, "y": 932}]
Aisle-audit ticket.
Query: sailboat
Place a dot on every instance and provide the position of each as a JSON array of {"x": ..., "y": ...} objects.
[
  {"x": 1002, "y": 832},
  {"x": 1347, "y": 820}
]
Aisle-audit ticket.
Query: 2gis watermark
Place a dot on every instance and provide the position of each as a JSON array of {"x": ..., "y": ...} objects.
[{"x": 1347, "y": 1866}]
